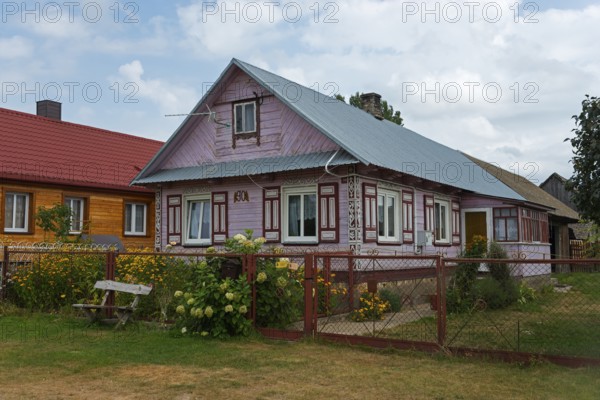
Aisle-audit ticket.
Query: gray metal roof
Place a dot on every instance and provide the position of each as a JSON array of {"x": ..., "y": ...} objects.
[
  {"x": 369, "y": 140},
  {"x": 251, "y": 167},
  {"x": 382, "y": 143}
]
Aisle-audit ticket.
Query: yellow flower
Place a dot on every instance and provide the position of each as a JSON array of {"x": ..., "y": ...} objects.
[{"x": 261, "y": 277}]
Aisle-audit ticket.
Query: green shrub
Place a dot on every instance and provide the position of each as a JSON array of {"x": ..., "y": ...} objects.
[
  {"x": 211, "y": 305},
  {"x": 279, "y": 294},
  {"x": 498, "y": 271},
  {"x": 392, "y": 297},
  {"x": 495, "y": 294}
]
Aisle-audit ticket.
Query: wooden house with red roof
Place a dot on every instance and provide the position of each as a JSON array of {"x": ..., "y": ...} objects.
[{"x": 46, "y": 161}]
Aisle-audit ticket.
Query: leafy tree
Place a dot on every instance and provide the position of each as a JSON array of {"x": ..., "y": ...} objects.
[
  {"x": 585, "y": 182},
  {"x": 387, "y": 110},
  {"x": 56, "y": 220}
]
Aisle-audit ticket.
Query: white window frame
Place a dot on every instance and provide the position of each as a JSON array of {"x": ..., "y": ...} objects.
[
  {"x": 389, "y": 194},
  {"x": 294, "y": 191},
  {"x": 134, "y": 206},
  {"x": 448, "y": 230},
  {"x": 187, "y": 200},
  {"x": 12, "y": 228},
  {"x": 243, "y": 105},
  {"x": 69, "y": 202}
]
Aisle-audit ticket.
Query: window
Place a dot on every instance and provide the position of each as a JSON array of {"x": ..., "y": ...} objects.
[
  {"x": 16, "y": 212},
  {"x": 442, "y": 221},
  {"x": 135, "y": 219},
  {"x": 388, "y": 216},
  {"x": 300, "y": 214},
  {"x": 506, "y": 225},
  {"x": 198, "y": 228},
  {"x": 245, "y": 117},
  {"x": 76, "y": 204},
  {"x": 535, "y": 226}
]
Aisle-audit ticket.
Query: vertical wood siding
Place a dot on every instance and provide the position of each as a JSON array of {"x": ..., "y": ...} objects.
[{"x": 282, "y": 132}]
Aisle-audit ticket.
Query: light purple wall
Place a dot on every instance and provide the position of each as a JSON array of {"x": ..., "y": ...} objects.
[
  {"x": 249, "y": 215},
  {"x": 282, "y": 131}
]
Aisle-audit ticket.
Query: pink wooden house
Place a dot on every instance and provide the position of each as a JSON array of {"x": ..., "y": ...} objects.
[{"x": 303, "y": 169}]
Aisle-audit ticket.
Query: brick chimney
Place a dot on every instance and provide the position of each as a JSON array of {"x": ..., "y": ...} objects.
[
  {"x": 371, "y": 103},
  {"x": 49, "y": 109}
]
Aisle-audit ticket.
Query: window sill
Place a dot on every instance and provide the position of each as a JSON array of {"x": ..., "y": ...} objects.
[
  {"x": 8, "y": 232},
  {"x": 135, "y": 235},
  {"x": 191, "y": 246},
  {"x": 443, "y": 244},
  {"x": 292, "y": 243}
]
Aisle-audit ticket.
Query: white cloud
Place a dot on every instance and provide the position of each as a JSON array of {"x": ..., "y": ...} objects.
[
  {"x": 169, "y": 97},
  {"x": 15, "y": 47}
]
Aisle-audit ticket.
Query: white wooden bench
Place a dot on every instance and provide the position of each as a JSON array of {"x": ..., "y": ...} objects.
[{"x": 94, "y": 311}]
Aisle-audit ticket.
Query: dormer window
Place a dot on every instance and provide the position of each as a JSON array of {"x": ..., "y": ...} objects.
[{"x": 245, "y": 117}]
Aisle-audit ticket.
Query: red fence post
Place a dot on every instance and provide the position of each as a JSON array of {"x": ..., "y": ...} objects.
[
  {"x": 441, "y": 300},
  {"x": 110, "y": 276},
  {"x": 309, "y": 292},
  {"x": 5, "y": 264}
]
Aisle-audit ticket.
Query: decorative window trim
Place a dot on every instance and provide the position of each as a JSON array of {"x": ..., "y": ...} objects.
[
  {"x": 329, "y": 211},
  {"x": 245, "y": 134},
  {"x": 303, "y": 190},
  {"x": 369, "y": 212},
  {"x": 135, "y": 204},
  {"x": 408, "y": 215},
  {"x": 28, "y": 212},
  {"x": 186, "y": 216},
  {"x": 272, "y": 214},
  {"x": 220, "y": 222},
  {"x": 455, "y": 210},
  {"x": 174, "y": 219},
  {"x": 388, "y": 194}
]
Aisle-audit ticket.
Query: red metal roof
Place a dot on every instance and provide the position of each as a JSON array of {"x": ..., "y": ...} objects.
[{"x": 39, "y": 149}]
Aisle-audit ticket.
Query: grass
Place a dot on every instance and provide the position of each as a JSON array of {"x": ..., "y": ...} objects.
[
  {"x": 53, "y": 356},
  {"x": 555, "y": 323}
]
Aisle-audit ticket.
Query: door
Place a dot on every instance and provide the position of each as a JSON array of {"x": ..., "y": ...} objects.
[{"x": 475, "y": 224}]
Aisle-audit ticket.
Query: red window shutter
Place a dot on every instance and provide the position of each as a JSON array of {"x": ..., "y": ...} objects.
[
  {"x": 174, "y": 219},
  {"x": 328, "y": 213},
  {"x": 429, "y": 213},
  {"x": 370, "y": 212},
  {"x": 455, "y": 222},
  {"x": 219, "y": 217},
  {"x": 408, "y": 232},
  {"x": 271, "y": 214}
]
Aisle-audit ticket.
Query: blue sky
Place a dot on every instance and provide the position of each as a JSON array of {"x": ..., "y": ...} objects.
[{"x": 495, "y": 80}]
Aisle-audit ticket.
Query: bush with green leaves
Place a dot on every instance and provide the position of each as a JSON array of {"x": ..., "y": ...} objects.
[
  {"x": 461, "y": 294},
  {"x": 279, "y": 294},
  {"x": 496, "y": 291},
  {"x": 392, "y": 297},
  {"x": 211, "y": 305},
  {"x": 495, "y": 294}
]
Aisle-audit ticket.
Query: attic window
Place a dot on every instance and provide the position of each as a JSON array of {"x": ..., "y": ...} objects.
[{"x": 245, "y": 117}]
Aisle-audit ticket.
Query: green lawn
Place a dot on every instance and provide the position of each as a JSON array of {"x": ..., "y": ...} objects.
[{"x": 52, "y": 356}]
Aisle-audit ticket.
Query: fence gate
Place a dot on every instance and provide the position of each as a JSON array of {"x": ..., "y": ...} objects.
[{"x": 377, "y": 299}]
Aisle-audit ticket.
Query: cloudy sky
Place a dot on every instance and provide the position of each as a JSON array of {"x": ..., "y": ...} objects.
[{"x": 497, "y": 79}]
